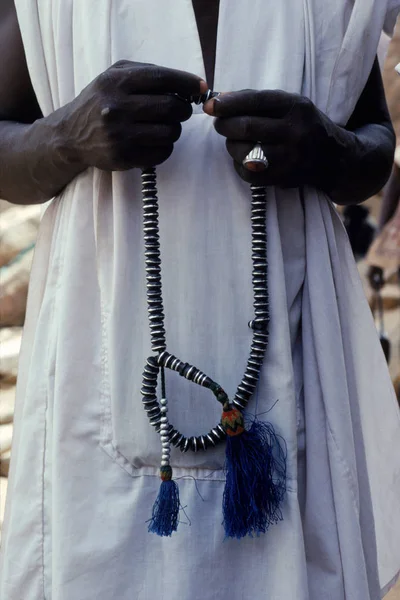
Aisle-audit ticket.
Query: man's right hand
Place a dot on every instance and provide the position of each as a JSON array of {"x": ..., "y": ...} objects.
[{"x": 129, "y": 116}]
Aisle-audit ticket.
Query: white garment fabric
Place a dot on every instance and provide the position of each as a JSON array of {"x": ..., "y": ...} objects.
[{"x": 84, "y": 470}]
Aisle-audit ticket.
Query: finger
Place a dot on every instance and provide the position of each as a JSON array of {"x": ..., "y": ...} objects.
[
  {"x": 155, "y": 79},
  {"x": 129, "y": 155},
  {"x": 278, "y": 167},
  {"x": 239, "y": 150},
  {"x": 145, "y": 134},
  {"x": 257, "y": 129},
  {"x": 161, "y": 108},
  {"x": 253, "y": 177},
  {"x": 272, "y": 103}
]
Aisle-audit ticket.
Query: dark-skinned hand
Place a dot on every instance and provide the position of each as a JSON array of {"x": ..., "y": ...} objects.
[
  {"x": 302, "y": 144},
  {"x": 130, "y": 115}
]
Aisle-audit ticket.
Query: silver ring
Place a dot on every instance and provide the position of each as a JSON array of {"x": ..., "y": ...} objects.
[{"x": 256, "y": 160}]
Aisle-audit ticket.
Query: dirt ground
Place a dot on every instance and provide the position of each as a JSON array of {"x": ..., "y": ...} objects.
[{"x": 394, "y": 594}]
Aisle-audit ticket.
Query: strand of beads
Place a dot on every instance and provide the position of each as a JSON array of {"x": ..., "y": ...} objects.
[
  {"x": 154, "y": 409},
  {"x": 259, "y": 324},
  {"x": 164, "y": 427},
  {"x": 155, "y": 306}
]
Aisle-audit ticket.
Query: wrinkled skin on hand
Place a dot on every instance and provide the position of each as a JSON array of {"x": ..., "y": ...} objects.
[
  {"x": 130, "y": 115},
  {"x": 297, "y": 138}
]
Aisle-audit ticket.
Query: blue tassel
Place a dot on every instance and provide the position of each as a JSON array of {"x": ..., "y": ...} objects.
[
  {"x": 165, "y": 517},
  {"x": 255, "y": 476}
]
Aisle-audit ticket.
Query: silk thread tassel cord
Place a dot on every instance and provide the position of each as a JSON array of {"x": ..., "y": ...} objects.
[
  {"x": 165, "y": 516},
  {"x": 255, "y": 471}
]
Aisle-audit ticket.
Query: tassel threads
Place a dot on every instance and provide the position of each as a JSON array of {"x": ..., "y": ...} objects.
[
  {"x": 255, "y": 476},
  {"x": 165, "y": 517}
]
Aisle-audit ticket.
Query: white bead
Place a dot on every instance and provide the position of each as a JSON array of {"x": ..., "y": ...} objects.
[
  {"x": 164, "y": 420},
  {"x": 165, "y": 456},
  {"x": 165, "y": 463},
  {"x": 164, "y": 409},
  {"x": 163, "y": 401}
]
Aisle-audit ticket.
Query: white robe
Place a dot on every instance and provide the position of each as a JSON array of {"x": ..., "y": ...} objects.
[{"x": 84, "y": 470}]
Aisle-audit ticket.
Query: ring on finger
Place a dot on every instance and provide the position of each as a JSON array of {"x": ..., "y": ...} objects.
[{"x": 256, "y": 160}]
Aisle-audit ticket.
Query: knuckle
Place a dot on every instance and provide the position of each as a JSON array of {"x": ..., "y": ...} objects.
[
  {"x": 156, "y": 73},
  {"x": 246, "y": 126},
  {"x": 219, "y": 126},
  {"x": 259, "y": 99},
  {"x": 123, "y": 155},
  {"x": 170, "y": 134},
  {"x": 182, "y": 110},
  {"x": 161, "y": 154},
  {"x": 121, "y": 64},
  {"x": 105, "y": 80},
  {"x": 304, "y": 105},
  {"x": 176, "y": 132},
  {"x": 166, "y": 152}
]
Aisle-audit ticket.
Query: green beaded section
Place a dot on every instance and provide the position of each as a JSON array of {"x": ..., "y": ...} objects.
[
  {"x": 166, "y": 473},
  {"x": 219, "y": 393}
]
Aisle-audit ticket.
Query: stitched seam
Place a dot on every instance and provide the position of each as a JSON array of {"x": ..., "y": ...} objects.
[
  {"x": 43, "y": 476},
  {"x": 55, "y": 269},
  {"x": 345, "y": 467}
]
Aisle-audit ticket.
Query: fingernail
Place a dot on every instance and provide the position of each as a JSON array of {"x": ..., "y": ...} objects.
[
  {"x": 105, "y": 111},
  {"x": 211, "y": 107},
  {"x": 203, "y": 86}
]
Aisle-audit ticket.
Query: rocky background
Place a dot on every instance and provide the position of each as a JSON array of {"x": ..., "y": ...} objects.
[{"x": 18, "y": 231}]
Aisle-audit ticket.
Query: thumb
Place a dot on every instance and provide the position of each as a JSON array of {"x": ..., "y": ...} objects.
[{"x": 211, "y": 106}]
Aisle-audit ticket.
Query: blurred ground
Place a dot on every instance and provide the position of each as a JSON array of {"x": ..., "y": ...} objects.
[{"x": 394, "y": 594}]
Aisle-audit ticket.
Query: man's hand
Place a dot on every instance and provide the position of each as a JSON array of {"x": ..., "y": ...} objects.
[
  {"x": 129, "y": 116},
  {"x": 303, "y": 146},
  {"x": 299, "y": 141}
]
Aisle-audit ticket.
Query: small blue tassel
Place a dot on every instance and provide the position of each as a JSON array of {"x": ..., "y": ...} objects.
[
  {"x": 255, "y": 476},
  {"x": 165, "y": 515}
]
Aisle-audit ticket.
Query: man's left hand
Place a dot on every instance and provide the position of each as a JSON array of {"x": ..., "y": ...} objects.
[{"x": 299, "y": 141}]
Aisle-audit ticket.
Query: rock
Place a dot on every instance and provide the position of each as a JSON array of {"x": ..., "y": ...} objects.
[
  {"x": 3, "y": 493},
  {"x": 7, "y": 402},
  {"x": 18, "y": 230},
  {"x": 390, "y": 298},
  {"x": 10, "y": 343},
  {"x": 396, "y": 384},
  {"x": 4, "y": 205},
  {"x": 5, "y": 463},
  {"x": 6, "y": 432},
  {"x": 14, "y": 281}
]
